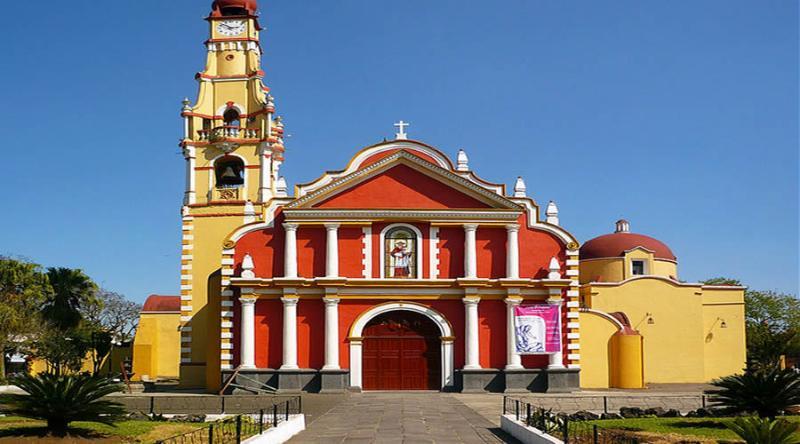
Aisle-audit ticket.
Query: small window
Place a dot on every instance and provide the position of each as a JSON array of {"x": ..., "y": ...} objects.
[
  {"x": 231, "y": 118},
  {"x": 400, "y": 253},
  {"x": 637, "y": 268},
  {"x": 229, "y": 172}
]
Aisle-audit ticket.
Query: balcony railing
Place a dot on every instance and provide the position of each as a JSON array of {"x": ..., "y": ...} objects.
[{"x": 228, "y": 132}]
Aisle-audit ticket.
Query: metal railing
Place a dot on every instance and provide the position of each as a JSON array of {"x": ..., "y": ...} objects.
[
  {"x": 560, "y": 426},
  {"x": 235, "y": 429}
]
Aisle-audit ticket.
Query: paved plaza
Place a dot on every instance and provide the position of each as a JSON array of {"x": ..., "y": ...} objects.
[{"x": 410, "y": 417}]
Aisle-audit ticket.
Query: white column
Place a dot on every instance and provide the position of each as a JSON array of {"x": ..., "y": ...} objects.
[
  {"x": 556, "y": 359},
  {"x": 248, "y": 339},
  {"x": 512, "y": 251},
  {"x": 290, "y": 251},
  {"x": 331, "y": 333},
  {"x": 332, "y": 251},
  {"x": 448, "y": 373},
  {"x": 470, "y": 253},
  {"x": 265, "y": 187},
  {"x": 289, "y": 333},
  {"x": 513, "y": 359},
  {"x": 191, "y": 195},
  {"x": 472, "y": 343}
]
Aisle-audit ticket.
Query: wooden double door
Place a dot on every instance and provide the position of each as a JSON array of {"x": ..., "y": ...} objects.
[{"x": 401, "y": 351}]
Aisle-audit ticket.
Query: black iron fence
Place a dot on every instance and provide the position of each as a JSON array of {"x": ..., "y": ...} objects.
[
  {"x": 560, "y": 426},
  {"x": 235, "y": 429}
]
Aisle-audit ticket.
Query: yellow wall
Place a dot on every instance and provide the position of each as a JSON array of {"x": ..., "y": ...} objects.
[
  {"x": 596, "y": 333},
  {"x": 677, "y": 345},
  {"x": 156, "y": 347},
  {"x": 618, "y": 269},
  {"x": 725, "y": 348}
]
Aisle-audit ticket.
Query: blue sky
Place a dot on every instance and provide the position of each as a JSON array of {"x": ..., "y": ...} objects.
[{"x": 679, "y": 116}]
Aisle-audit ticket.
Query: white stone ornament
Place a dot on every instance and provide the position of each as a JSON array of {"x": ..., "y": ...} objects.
[
  {"x": 555, "y": 269},
  {"x": 552, "y": 213},
  {"x": 463, "y": 161},
  {"x": 249, "y": 212},
  {"x": 247, "y": 267},
  {"x": 280, "y": 187},
  {"x": 520, "y": 190}
]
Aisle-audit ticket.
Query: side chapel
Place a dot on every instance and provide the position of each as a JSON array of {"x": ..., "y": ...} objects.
[{"x": 401, "y": 271}]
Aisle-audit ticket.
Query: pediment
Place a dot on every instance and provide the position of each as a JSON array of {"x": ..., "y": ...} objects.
[{"x": 403, "y": 181}]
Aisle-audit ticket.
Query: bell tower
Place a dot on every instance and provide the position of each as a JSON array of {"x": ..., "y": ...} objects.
[{"x": 233, "y": 146}]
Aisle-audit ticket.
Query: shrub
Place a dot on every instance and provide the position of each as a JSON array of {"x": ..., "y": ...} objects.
[
  {"x": 59, "y": 400},
  {"x": 764, "y": 431},
  {"x": 765, "y": 392}
]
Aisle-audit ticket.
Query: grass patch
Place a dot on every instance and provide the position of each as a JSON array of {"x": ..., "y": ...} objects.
[
  {"x": 124, "y": 431},
  {"x": 713, "y": 428}
]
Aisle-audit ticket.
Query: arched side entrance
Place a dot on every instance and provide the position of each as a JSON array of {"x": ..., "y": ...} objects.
[
  {"x": 359, "y": 328},
  {"x": 401, "y": 351}
]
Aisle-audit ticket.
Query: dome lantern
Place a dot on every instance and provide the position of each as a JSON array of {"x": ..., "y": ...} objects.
[{"x": 225, "y": 8}]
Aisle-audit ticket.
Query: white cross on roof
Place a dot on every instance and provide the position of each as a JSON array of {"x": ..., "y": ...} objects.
[{"x": 401, "y": 135}]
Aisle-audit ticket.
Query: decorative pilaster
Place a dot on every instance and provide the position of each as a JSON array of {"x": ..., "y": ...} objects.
[
  {"x": 290, "y": 251},
  {"x": 289, "y": 333},
  {"x": 366, "y": 252},
  {"x": 470, "y": 252},
  {"x": 226, "y": 306},
  {"x": 332, "y": 251},
  {"x": 512, "y": 251},
  {"x": 573, "y": 308},
  {"x": 472, "y": 344},
  {"x": 187, "y": 249},
  {"x": 331, "y": 333},
  {"x": 248, "y": 335},
  {"x": 513, "y": 359},
  {"x": 434, "y": 253}
]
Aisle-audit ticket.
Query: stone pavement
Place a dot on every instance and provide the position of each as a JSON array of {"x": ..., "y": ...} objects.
[{"x": 407, "y": 417}]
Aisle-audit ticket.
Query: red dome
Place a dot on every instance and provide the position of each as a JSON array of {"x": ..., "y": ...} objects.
[
  {"x": 616, "y": 244},
  {"x": 233, "y": 7},
  {"x": 159, "y": 304}
]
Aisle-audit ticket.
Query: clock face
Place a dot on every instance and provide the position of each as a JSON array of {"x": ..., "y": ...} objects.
[{"x": 231, "y": 27}]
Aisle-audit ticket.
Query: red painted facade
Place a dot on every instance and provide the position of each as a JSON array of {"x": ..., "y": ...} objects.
[{"x": 413, "y": 186}]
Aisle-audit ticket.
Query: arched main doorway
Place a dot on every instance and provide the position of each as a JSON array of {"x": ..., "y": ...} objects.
[{"x": 402, "y": 351}]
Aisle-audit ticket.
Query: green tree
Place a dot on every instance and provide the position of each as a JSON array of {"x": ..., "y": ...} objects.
[
  {"x": 112, "y": 320},
  {"x": 765, "y": 391},
  {"x": 72, "y": 290},
  {"x": 60, "y": 400},
  {"x": 764, "y": 431},
  {"x": 23, "y": 289}
]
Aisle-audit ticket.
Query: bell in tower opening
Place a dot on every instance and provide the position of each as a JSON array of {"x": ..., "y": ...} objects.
[{"x": 230, "y": 172}]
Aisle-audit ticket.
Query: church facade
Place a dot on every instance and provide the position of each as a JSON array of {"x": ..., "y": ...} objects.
[{"x": 403, "y": 270}]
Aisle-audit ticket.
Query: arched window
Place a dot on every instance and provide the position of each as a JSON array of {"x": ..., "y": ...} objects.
[
  {"x": 231, "y": 117},
  {"x": 229, "y": 172},
  {"x": 400, "y": 254}
]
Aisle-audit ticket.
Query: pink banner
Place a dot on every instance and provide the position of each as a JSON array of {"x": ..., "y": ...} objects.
[{"x": 538, "y": 329}]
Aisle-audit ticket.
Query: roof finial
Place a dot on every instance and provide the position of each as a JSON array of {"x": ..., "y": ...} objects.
[
  {"x": 281, "y": 187},
  {"x": 554, "y": 269},
  {"x": 401, "y": 134},
  {"x": 552, "y": 213},
  {"x": 520, "y": 190},
  {"x": 247, "y": 267},
  {"x": 623, "y": 226},
  {"x": 462, "y": 160}
]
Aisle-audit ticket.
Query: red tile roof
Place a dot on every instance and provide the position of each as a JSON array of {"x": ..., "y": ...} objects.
[{"x": 616, "y": 244}]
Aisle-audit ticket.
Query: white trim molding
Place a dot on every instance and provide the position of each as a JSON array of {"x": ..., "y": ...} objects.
[{"x": 357, "y": 331}]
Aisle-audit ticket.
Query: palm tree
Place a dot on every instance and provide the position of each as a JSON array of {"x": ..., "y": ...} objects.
[
  {"x": 60, "y": 400},
  {"x": 72, "y": 289},
  {"x": 764, "y": 431},
  {"x": 764, "y": 391}
]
